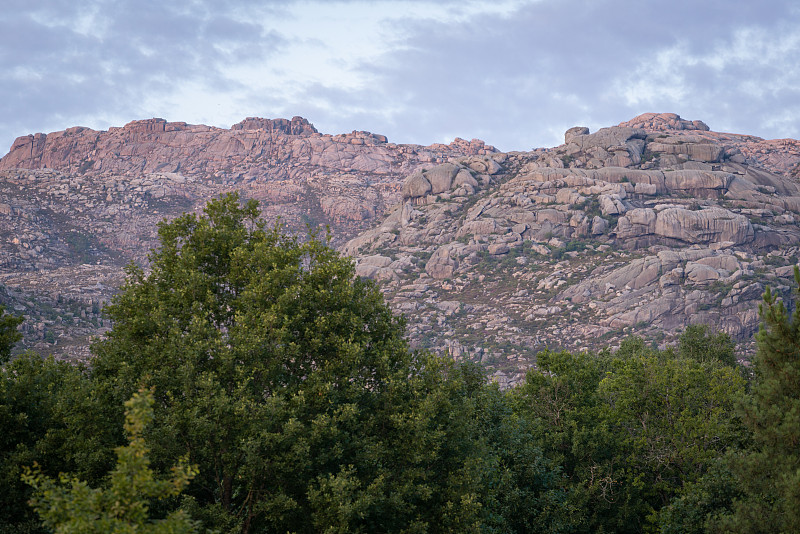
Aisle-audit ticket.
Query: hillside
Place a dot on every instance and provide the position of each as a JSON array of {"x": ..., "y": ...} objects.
[
  {"x": 643, "y": 227},
  {"x": 77, "y": 205}
]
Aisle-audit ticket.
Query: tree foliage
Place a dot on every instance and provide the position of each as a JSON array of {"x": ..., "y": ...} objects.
[
  {"x": 9, "y": 335},
  {"x": 768, "y": 471},
  {"x": 699, "y": 343},
  {"x": 71, "y": 506},
  {"x": 289, "y": 383},
  {"x": 47, "y": 415},
  {"x": 631, "y": 428}
]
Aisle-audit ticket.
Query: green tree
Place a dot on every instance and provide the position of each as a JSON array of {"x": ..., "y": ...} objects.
[
  {"x": 631, "y": 428},
  {"x": 48, "y": 415},
  {"x": 769, "y": 471},
  {"x": 289, "y": 382},
  {"x": 71, "y": 506},
  {"x": 674, "y": 417},
  {"x": 9, "y": 335},
  {"x": 699, "y": 342},
  {"x": 568, "y": 422}
]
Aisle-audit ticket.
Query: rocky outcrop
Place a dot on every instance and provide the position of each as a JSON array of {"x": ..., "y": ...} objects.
[
  {"x": 646, "y": 227},
  {"x": 81, "y": 199},
  {"x": 295, "y": 126},
  {"x": 660, "y": 122},
  {"x": 459, "y": 178},
  {"x": 252, "y": 149},
  {"x": 709, "y": 225},
  {"x": 778, "y": 156},
  {"x": 643, "y": 228}
]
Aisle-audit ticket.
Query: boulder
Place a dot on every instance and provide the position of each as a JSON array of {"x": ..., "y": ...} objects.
[
  {"x": 441, "y": 265},
  {"x": 698, "y": 151},
  {"x": 726, "y": 262},
  {"x": 698, "y": 182},
  {"x": 485, "y": 166},
  {"x": 636, "y": 223},
  {"x": 376, "y": 260},
  {"x": 441, "y": 177},
  {"x": 611, "y": 205},
  {"x": 483, "y": 226},
  {"x": 497, "y": 249},
  {"x": 599, "y": 225},
  {"x": 416, "y": 186},
  {"x": 574, "y": 131},
  {"x": 699, "y": 273},
  {"x": 705, "y": 226},
  {"x": 637, "y": 177},
  {"x": 464, "y": 177}
]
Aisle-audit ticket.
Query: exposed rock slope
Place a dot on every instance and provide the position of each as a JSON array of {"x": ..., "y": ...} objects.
[
  {"x": 647, "y": 227},
  {"x": 77, "y": 205}
]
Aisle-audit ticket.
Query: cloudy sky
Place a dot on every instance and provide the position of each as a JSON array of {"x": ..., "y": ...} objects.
[{"x": 512, "y": 72}]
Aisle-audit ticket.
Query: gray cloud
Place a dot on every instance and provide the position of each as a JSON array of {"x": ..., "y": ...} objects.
[
  {"x": 519, "y": 81},
  {"x": 90, "y": 60},
  {"x": 516, "y": 79}
]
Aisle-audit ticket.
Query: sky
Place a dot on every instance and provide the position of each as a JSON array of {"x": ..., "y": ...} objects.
[{"x": 515, "y": 73}]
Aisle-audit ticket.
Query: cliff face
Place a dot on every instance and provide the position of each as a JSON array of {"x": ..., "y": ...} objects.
[
  {"x": 252, "y": 149},
  {"x": 642, "y": 227},
  {"x": 301, "y": 175}
]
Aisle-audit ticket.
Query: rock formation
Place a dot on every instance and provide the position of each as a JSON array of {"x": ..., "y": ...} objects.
[
  {"x": 77, "y": 205},
  {"x": 644, "y": 227}
]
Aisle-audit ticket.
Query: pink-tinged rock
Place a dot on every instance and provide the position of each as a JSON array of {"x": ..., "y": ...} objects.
[
  {"x": 441, "y": 265},
  {"x": 664, "y": 121},
  {"x": 464, "y": 177},
  {"x": 700, "y": 273},
  {"x": 636, "y": 223},
  {"x": 698, "y": 181},
  {"x": 416, "y": 186},
  {"x": 255, "y": 146},
  {"x": 705, "y": 226},
  {"x": 441, "y": 177},
  {"x": 498, "y": 249},
  {"x": 695, "y": 151}
]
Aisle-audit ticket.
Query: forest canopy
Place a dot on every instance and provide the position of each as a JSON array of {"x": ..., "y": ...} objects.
[{"x": 262, "y": 387}]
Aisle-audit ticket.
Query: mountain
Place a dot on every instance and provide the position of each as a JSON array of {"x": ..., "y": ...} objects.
[
  {"x": 77, "y": 205},
  {"x": 643, "y": 227}
]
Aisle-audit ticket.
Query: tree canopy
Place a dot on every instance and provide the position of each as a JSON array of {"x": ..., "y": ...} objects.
[
  {"x": 285, "y": 381},
  {"x": 289, "y": 383},
  {"x": 9, "y": 334},
  {"x": 71, "y": 506},
  {"x": 768, "y": 471}
]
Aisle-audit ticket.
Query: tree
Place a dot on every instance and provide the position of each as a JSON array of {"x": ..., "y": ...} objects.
[
  {"x": 674, "y": 417},
  {"x": 71, "y": 506},
  {"x": 567, "y": 417},
  {"x": 9, "y": 335},
  {"x": 630, "y": 428},
  {"x": 48, "y": 415},
  {"x": 288, "y": 381},
  {"x": 698, "y": 342},
  {"x": 769, "y": 470}
]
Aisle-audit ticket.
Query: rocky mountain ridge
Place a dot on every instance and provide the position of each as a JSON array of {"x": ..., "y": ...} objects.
[
  {"x": 647, "y": 226},
  {"x": 77, "y": 205}
]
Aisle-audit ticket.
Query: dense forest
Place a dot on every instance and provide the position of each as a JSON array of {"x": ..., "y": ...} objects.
[{"x": 252, "y": 383}]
